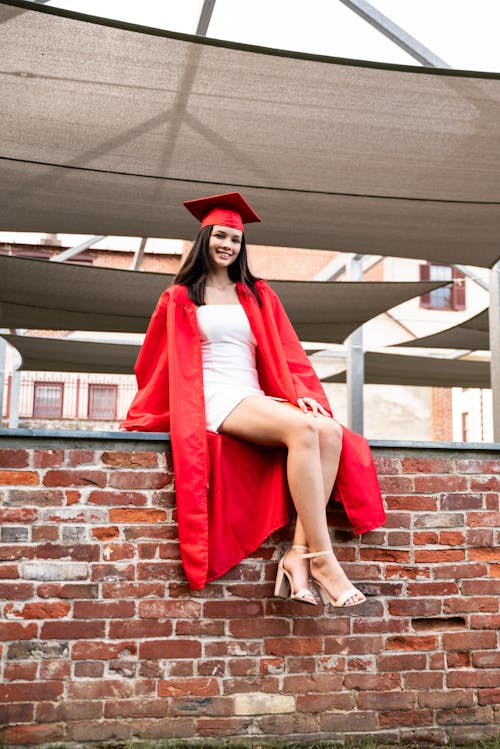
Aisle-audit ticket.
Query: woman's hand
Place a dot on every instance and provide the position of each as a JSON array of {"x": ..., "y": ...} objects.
[{"x": 309, "y": 404}]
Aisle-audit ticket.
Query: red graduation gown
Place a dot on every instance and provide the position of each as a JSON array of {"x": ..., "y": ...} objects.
[{"x": 231, "y": 494}]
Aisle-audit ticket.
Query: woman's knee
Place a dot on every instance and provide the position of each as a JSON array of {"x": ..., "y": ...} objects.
[
  {"x": 330, "y": 434},
  {"x": 304, "y": 432}
]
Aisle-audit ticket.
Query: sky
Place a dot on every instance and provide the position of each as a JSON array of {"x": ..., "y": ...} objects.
[{"x": 463, "y": 33}]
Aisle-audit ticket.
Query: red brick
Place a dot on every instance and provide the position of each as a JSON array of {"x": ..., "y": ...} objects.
[
  {"x": 452, "y": 538},
  {"x": 486, "y": 659},
  {"x": 477, "y": 465},
  {"x": 353, "y": 645},
  {"x": 405, "y": 718},
  {"x": 33, "y": 734},
  {"x": 199, "y": 627},
  {"x": 170, "y": 649},
  {"x": 411, "y": 573},
  {"x": 488, "y": 696},
  {"x": 396, "y": 484},
  {"x": 439, "y": 555},
  {"x": 432, "y": 589},
  {"x": 450, "y": 698},
  {"x": 39, "y": 497},
  {"x": 415, "y": 607},
  {"x": 48, "y": 458},
  {"x": 472, "y": 604},
  {"x": 406, "y": 662},
  {"x": 67, "y": 590},
  {"x": 132, "y": 459},
  {"x": 480, "y": 587},
  {"x": 200, "y": 687},
  {"x": 458, "y": 571},
  {"x": 20, "y": 671},
  {"x": 412, "y": 642},
  {"x": 99, "y": 689},
  {"x": 287, "y": 645},
  {"x": 8, "y": 571},
  {"x": 16, "y": 712},
  {"x": 427, "y": 465},
  {"x": 102, "y": 651},
  {"x": 132, "y": 590},
  {"x": 18, "y": 631},
  {"x": 35, "y": 691},
  {"x": 38, "y": 610},
  {"x": 140, "y": 628},
  {"x": 411, "y": 502},
  {"x": 114, "y": 572},
  {"x": 384, "y": 555},
  {"x": 474, "y": 678},
  {"x": 372, "y": 682},
  {"x": 72, "y": 496},
  {"x": 479, "y": 537},
  {"x": 485, "y": 483},
  {"x": 115, "y": 552},
  {"x": 103, "y": 609},
  {"x": 74, "y": 478},
  {"x": 253, "y": 628},
  {"x": 347, "y": 722},
  {"x": 14, "y": 458},
  {"x": 318, "y": 703},
  {"x": 72, "y": 630},
  {"x": 16, "y": 591},
  {"x": 19, "y": 478},
  {"x": 75, "y": 552},
  {"x": 164, "y": 608},
  {"x": 81, "y": 457},
  {"x": 161, "y": 727},
  {"x": 229, "y": 609},
  {"x": 106, "y": 534},
  {"x": 461, "y": 501},
  {"x": 171, "y": 570},
  {"x": 93, "y": 669},
  {"x": 314, "y": 682},
  {"x": 425, "y": 538},
  {"x": 483, "y": 519},
  {"x": 208, "y": 667},
  {"x": 152, "y": 708},
  {"x": 117, "y": 498},
  {"x": 458, "y": 660},
  {"x": 132, "y": 515},
  {"x": 69, "y": 710},
  {"x": 386, "y": 465},
  {"x": 236, "y": 667},
  {"x": 484, "y": 555},
  {"x": 16, "y": 552},
  {"x": 469, "y": 640},
  {"x": 423, "y": 680},
  {"x": 139, "y": 479},
  {"x": 431, "y": 484},
  {"x": 45, "y": 533},
  {"x": 55, "y": 670},
  {"x": 386, "y": 700}
]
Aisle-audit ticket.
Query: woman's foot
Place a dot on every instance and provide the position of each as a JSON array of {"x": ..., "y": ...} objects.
[
  {"x": 327, "y": 572},
  {"x": 298, "y": 574}
]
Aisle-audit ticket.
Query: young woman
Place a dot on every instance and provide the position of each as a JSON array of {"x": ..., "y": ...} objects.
[{"x": 221, "y": 365}]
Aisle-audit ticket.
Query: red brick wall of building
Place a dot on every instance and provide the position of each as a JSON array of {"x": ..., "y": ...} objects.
[{"x": 101, "y": 638}]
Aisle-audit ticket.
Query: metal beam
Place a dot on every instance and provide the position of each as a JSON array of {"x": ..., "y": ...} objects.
[
  {"x": 139, "y": 254},
  {"x": 3, "y": 352},
  {"x": 494, "y": 315},
  {"x": 355, "y": 364},
  {"x": 395, "y": 33},
  {"x": 205, "y": 17},
  {"x": 72, "y": 251}
]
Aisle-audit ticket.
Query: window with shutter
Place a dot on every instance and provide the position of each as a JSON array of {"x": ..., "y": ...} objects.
[{"x": 450, "y": 297}]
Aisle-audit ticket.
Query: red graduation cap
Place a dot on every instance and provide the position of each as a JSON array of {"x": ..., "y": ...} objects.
[{"x": 230, "y": 209}]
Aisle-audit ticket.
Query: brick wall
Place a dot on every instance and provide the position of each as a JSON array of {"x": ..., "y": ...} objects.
[{"x": 101, "y": 639}]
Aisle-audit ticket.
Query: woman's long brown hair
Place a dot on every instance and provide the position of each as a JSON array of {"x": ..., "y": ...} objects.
[{"x": 194, "y": 271}]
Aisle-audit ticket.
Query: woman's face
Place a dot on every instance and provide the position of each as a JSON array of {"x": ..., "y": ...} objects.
[{"x": 224, "y": 246}]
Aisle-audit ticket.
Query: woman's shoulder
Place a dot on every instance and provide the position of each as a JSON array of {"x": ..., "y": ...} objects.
[{"x": 176, "y": 293}]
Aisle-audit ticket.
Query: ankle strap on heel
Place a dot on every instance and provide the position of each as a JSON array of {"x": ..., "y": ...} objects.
[
  {"x": 300, "y": 548},
  {"x": 313, "y": 554}
]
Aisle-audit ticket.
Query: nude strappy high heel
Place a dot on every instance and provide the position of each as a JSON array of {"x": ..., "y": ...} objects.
[
  {"x": 284, "y": 583},
  {"x": 325, "y": 596}
]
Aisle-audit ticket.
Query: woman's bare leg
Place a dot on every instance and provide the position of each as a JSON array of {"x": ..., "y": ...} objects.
[{"x": 264, "y": 421}]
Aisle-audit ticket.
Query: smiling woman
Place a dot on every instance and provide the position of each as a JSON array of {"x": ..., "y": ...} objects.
[{"x": 221, "y": 358}]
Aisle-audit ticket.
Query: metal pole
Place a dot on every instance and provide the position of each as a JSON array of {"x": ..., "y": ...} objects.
[
  {"x": 395, "y": 33},
  {"x": 15, "y": 392},
  {"x": 3, "y": 351},
  {"x": 355, "y": 364},
  {"x": 72, "y": 251},
  {"x": 494, "y": 315},
  {"x": 139, "y": 254},
  {"x": 205, "y": 16}
]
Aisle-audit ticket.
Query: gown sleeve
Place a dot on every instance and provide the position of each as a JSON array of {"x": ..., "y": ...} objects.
[
  {"x": 305, "y": 379},
  {"x": 149, "y": 410}
]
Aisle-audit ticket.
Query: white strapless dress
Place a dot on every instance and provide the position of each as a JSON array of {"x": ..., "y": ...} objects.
[{"x": 228, "y": 352}]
